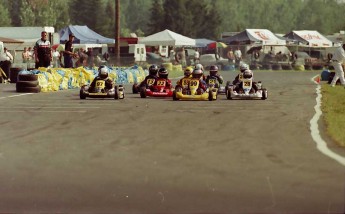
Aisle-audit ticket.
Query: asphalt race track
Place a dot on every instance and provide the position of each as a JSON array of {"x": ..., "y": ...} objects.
[{"x": 60, "y": 154}]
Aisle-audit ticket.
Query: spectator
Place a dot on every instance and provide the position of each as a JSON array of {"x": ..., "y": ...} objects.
[
  {"x": 238, "y": 57},
  {"x": 231, "y": 57},
  {"x": 181, "y": 57},
  {"x": 106, "y": 56},
  {"x": 337, "y": 60},
  {"x": 196, "y": 57},
  {"x": 82, "y": 58},
  {"x": 31, "y": 53},
  {"x": 56, "y": 59},
  {"x": 43, "y": 53},
  {"x": 5, "y": 63},
  {"x": 26, "y": 55},
  {"x": 90, "y": 58},
  {"x": 68, "y": 53}
]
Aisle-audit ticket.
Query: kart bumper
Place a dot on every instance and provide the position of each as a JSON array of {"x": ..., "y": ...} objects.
[{"x": 181, "y": 96}]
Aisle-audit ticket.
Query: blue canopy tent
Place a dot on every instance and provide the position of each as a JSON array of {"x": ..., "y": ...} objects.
[
  {"x": 83, "y": 35},
  {"x": 202, "y": 43}
]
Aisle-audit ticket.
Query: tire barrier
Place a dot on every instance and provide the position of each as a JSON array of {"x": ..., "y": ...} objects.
[
  {"x": 14, "y": 74},
  {"x": 54, "y": 79},
  {"x": 276, "y": 67},
  {"x": 27, "y": 83}
]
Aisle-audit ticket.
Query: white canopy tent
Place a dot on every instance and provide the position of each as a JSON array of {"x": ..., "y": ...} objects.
[
  {"x": 310, "y": 38},
  {"x": 254, "y": 36},
  {"x": 167, "y": 38}
]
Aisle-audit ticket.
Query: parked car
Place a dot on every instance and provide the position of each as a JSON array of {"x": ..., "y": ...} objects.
[
  {"x": 210, "y": 59},
  {"x": 153, "y": 58},
  {"x": 302, "y": 58}
]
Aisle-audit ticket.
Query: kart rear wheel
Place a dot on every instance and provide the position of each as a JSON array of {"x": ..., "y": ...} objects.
[
  {"x": 174, "y": 95},
  {"x": 228, "y": 94},
  {"x": 116, "y": 95},
  {"x": 121, "y": 92},
  {"x": 135, "y": 88},
  {"x": 210, "y": 95},
  {"x": 143, "y": 92},
  {"x": 264, "y": 94},
  {"x": 82, "y": 94}
]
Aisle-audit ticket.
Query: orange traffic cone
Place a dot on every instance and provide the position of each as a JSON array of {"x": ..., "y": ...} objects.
[{"x": 317, "y": 79}]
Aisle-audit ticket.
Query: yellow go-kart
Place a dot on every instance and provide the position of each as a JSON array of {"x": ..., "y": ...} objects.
[{"x": 192, "y": 92}]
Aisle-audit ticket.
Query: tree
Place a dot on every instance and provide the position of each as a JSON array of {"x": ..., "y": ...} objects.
[
  {"x": 156, "y": 22},
  {"x": 4, "y": 15}
]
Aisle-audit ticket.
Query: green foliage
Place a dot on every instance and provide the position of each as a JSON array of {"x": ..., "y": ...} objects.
[
  {"x": 5, "y": 19},
  {"x": 333, "y": 107},
  {"x": 193, "y": 18}
]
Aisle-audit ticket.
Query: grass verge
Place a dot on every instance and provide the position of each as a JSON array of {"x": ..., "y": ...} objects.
[{"x": 333, "y": 108}]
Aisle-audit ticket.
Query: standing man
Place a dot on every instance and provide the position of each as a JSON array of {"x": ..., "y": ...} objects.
[
  {"x": 43, "y": 53},
  {"x": 231, "y": 57},
  {"x": 337, "y": 60},
  {"x": 68, "y": 53},
  {"x": 196, "y": 57},
  {"x": 6, "y": 60},
  {"x": 238, "y": 57}
]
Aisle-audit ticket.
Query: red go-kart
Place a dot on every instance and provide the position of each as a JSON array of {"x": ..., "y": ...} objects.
[{"x": 160, "y": 89}]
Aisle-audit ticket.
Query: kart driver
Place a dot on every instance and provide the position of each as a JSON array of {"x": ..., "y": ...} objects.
[
  {"x": 214, "y": 76},
  {"x": 185, "y": 80},
  {"x": 239, "y": 77},
  {"x": 163, "y": 73},
  {"x": 150, "y": 79},
  {"x": 103, "y": 74},
  {"x": 198, "y": 75}
]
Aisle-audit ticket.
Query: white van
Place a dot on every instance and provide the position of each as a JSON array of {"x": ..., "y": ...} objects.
[{"x": 139, "y": 51}]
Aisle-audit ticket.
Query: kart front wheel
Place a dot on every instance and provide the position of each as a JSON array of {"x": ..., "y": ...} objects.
[
  {"x": 143, "y": 92},
  {"x": 116, "y": 95},
  {"x": 264, "y": 94},
  {"x": 174, "y": 95},
  {"x": 228, "y": 94},
  {"x": 82, "y": 94}
]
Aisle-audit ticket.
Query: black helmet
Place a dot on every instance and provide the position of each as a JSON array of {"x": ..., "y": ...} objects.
[
  {"x": 213, "y": 70},
  {"x": 163, "y": 73},
  {"x": 103, "y": 71},
  {"x": 153, "y": 69},
  {"x": 247, "y": 74}
]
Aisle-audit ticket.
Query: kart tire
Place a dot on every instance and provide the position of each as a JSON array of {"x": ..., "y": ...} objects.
[
  {"x": 135, "y": 88},
  {"x": 23, "y": 84},
  {"x": 210, "y": 95},
  {"x": 82, "y": 94},
  {"x": 27, "y": 77},
  {"x": 228, "y": 94},
  {"x": 264, "y": 94},
  {"x": 174, "y": 95},
  {"x": 143, "y": 92},
  {"x": 14, "y": 74},
  {"x": 121, "y": 92},
  {"x": 35, "y": 89},
  {"x": 116, "y": 93}
]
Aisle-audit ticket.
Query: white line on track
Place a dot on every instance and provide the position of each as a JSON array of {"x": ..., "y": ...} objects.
[
  {"x": 40, "y": 111},
  {"x": 17, "y": 95},
  {"x": 314, "y": 128},
  {"x": 45, "y": 107}
]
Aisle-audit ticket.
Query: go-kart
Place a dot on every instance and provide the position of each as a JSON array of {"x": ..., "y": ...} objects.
[
  {"x": 99, "y": 91},
  {"x": 213, "y": 84},
  {"x": 136, "y": 87},
  {"x": 245, "y": 90},
  {"x": 159, "y": 89},
  {"x": 191, "y": 92}
]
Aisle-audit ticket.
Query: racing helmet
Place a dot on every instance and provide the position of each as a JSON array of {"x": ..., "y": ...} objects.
[
  {"x": 163, "y": 73},
  {"x": 188, "y": 71},
  {"x": 243, "y": 67},
  {"x": 103, "y": 72},
  {"x": 197, "y": 73},
  {"x": 199, "y": 66},
  {"x": 153, "y": 69},
  {"x": 213, "y": 70},
  {"x": 247, "y": 74}
]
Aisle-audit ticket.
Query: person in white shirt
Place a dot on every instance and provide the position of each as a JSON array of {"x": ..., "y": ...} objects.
[
  {"x": 196, "y": 57},
  {"x": 337, "y": 60},
  {"x": 6, "y": 60},
  {"x": 238, "y": 56}
]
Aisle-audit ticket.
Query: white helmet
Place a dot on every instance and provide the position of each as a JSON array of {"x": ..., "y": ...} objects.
[
  {"x": 247, "y": 74},
  {"x": 199, "y": 66},
  {"x": 243, "y": 67},
  {"x": 103, "y": 71}
]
